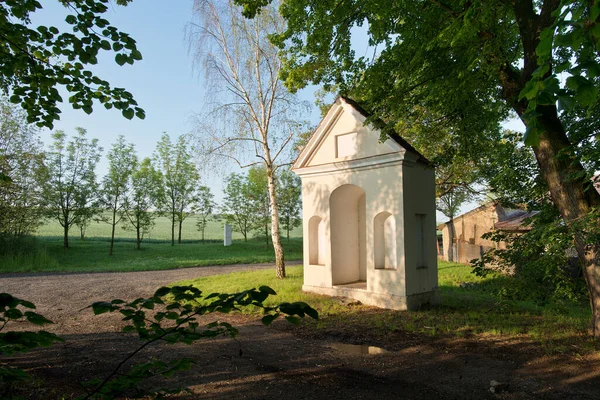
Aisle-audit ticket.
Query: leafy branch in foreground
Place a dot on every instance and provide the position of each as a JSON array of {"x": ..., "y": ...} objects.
[
  {"x": 176, "y": 322},
  {"x": 13, "y": 309}
]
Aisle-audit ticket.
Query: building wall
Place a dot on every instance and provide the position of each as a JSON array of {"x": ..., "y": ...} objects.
[{"x": 462, "y": 241}]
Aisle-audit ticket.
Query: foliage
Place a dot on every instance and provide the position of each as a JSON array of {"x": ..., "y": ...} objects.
[
  {"x": 15, "y": 310},
  {"x": 450, "y": 202},
  {"x": 21, "y": 163},
  {"x": 204, "y": 208},
  {"x": 289, "y": 188},
  {"x": 179, "y": 180},
  {"x": 237, "y": 208},
  {"x": 71, "y": 189},
  {"x": 145, "y": 194},
  {"x": 37, "y": 61},
  {"x": 173, "y": 319},
  {"x": 542, "y": 261},
  {"x": 258, "y": 189},
  {"x": 116, "y": 185}
]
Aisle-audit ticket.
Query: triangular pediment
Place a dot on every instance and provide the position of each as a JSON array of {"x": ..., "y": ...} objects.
[{"x": 343, "y": 138}]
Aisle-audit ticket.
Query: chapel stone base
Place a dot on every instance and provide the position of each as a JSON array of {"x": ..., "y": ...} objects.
[{"x": 389, "y": 301}]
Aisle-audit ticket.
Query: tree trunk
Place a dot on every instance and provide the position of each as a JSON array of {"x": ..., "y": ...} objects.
[
  {"x": 275, "y": 236},
  {"x": 138, "y": 236},
  {"x": 557, "y": 162},
  {"x": 112, "y": 235},
  {"x": 180, "y": 224},
  {"x": 66, "y": 235},
  {"x": 203, "y": 233},
  {"x": 574, "y": 198},
  {"x": 173, "y": 229}
]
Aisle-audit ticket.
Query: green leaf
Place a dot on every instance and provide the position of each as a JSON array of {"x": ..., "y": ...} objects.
[
  {"x": 293, "y": 320},
  {"x": 565, "y": 103},
  {"x": 120, "y": 59},
  {"x": 136, "y": 55},
  {"x": 268, "y": 319},
  {"x": 586, "y": 94},
  {"x": 71, "y": 19},
  {"x": 37, "y": 319},
  {"x": 128, "y": 113},
  {"x": 532, "y": 135},
  {"x": 544, "y": 47}
]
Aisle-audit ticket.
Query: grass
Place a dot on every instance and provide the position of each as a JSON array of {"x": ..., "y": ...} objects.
[
  {"x": 46, "y": 253},
  {"x": 463, "y": 311}
]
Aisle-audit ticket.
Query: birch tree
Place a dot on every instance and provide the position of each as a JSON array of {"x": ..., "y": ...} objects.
[{"x": 252, "y": 117}]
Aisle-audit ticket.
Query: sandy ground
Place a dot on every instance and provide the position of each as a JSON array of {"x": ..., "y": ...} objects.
[{"x": 281, "y": 362}]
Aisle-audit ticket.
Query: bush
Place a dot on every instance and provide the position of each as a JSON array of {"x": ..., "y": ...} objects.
[{"x": 538, "y": 260}]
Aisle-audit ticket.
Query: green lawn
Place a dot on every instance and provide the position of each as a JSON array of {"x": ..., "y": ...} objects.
[
  {"x": 474, "y": 310},
  {"x": 45, "y": 253}
]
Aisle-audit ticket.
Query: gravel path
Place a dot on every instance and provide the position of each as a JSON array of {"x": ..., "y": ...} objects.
[{"x": 62, "y": 297}]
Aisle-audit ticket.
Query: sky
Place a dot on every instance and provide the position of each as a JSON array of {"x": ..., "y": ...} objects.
[{"x": 164, "y": 83}]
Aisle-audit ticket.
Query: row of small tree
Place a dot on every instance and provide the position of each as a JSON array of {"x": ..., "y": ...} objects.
[{"x": 61, "y": 183}]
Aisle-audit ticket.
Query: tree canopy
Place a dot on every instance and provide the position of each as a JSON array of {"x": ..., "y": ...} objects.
[{"x": 36, "y": 61}]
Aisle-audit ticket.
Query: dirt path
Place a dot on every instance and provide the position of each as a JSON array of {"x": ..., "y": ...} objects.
[
  {"x": 60, "y": 297},
  {"x": 279, "y": 362}
]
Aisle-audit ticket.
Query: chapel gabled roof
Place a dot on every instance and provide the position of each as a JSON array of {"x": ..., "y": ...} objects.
[
  {"x": 395, "y": 135},
  {"x": 309, "y": 147}
]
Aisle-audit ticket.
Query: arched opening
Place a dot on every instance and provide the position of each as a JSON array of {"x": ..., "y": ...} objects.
[
  {"x": 348, "y": 235},
  {"x": 385, "y": 241},
  {"x": 316, "y": 241}
]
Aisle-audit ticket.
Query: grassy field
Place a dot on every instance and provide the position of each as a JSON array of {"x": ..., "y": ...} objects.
[
  {"x": 463, "y": 311},
  {"x": 45, "y": 253},
  {"x": 161, "y": 232}
]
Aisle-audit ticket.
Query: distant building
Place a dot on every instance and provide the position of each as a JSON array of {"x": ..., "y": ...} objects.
[{"x": 461, "y": 237}]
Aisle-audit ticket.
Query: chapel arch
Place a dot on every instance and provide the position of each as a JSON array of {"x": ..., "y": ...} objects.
[
  {"x": 385, "y": 241},
  {"x": 347, "y": 206},
  {"x": 316, "y": 240}
]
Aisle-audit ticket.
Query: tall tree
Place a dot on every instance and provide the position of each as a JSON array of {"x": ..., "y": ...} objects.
[
  {"x": 289, "y": 188},
  {"x": 21, "y": 162},
  {"x": 471, "y": 63},
  {"x": 180, "y": 180},
  {"x": 253, "y": 114},
  {"x": 116, "y": 185},
  {"x": 72, "y": 184},
  {"x": 205, "y": 204},
  {"x": 36, "y": 61},
  {"x": 257, "y": 182},
  {"x": 238, "y": 209},
  {"x": 144, "y": 195},
  {"x": 450, "y": 202}
]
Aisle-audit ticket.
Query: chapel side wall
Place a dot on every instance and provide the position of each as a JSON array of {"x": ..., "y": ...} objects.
[{"x": 420, "y": 232}]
